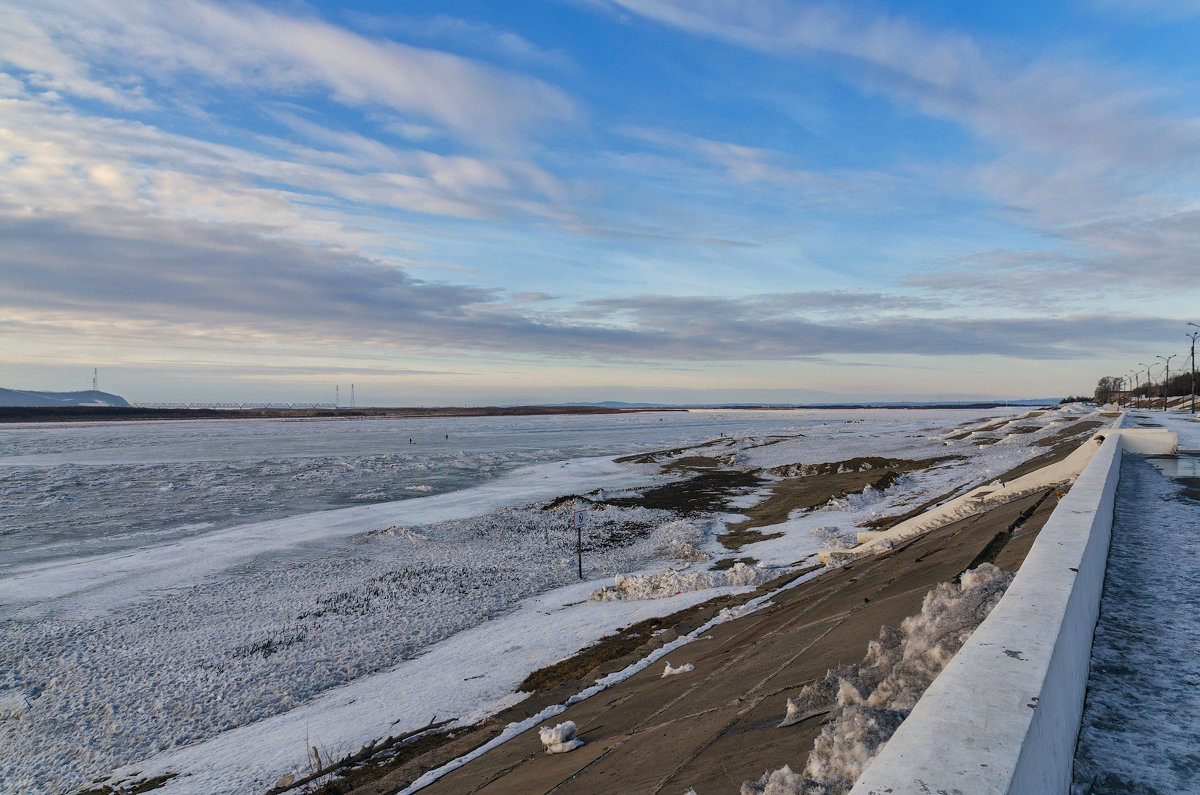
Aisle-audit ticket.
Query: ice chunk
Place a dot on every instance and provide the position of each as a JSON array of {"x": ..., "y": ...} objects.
[
  {"x": 560, "y": 739},
  {"x": 683, "y": 669}
]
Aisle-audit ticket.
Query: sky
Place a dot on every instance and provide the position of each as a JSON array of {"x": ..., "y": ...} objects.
[{"x": 451, "y": 203}]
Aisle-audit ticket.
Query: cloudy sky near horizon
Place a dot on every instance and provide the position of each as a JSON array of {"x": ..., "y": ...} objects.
[{"x": 666, "y": 200}]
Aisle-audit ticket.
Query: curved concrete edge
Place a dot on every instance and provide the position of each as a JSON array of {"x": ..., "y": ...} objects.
[{"x": 1004, "y": 715}]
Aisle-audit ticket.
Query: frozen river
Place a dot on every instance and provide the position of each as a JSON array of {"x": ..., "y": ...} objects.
[
  {"x": 100, "y": 487},
  {"x": 202, "y": 596}
]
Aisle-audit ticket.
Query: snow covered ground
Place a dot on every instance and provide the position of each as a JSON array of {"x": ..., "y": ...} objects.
[
  {"x": 180, "y": 597},
  {"x": 1140, "y": 720}
]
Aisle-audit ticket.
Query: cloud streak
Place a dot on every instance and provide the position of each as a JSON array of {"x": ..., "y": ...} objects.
[
  {"x": 182, "y": 276},
  {"x": 258, "y": 50}
]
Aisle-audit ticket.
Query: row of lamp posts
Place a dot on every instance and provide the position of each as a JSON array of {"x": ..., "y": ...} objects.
[{"x": 1167, "y": 372}]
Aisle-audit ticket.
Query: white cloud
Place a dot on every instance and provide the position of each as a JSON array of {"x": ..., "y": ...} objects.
[{"x": 260, "y": 50}]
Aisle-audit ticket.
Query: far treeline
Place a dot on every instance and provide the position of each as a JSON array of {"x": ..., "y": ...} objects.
[{"x": 1110, "y": 387}]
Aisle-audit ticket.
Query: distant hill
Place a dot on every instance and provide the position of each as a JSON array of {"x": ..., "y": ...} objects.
[{"x": 91, "y": 397}]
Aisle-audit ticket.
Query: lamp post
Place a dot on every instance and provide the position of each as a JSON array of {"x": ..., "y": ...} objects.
[
  {"x": 1193, "y": 335},
  {"x": 1149, "y": 383},
  {"x": 1167, "y": 378},
  {"x": 1134, "y": 373}
]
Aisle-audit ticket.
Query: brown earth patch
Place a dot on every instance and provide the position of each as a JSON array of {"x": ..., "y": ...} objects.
[
  {"x": 814, "y": 485},
  {"x": 983, "y": 441},
  {"x": 692, "y": 462},
  {"x": 655, "y": 456},
  {"x": 734, "y": 540},
  {"x": 708, "y": 491},
  {"x": 728, "y": 563},
  {"x": 1025, "y": 429},
  {"x": 860, "y": 464}
]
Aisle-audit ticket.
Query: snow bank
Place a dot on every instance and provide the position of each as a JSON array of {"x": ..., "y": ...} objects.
[
  {"x": 560, "y": 739},
  {"x": 974, "y": 502},
  {"x": 870, "y": 699},
  {"x": 672, "y": 583}
]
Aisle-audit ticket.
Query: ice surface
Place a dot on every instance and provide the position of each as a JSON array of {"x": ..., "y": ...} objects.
[
  {"x": 1139, "y": 727},
  {"x": 869, "y": 700}
]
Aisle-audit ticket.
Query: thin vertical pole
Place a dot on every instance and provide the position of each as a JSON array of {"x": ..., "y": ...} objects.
[{"x": 579, "y": 547}]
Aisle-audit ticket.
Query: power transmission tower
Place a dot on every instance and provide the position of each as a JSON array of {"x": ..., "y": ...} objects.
[{"x": 95, "y": 379}]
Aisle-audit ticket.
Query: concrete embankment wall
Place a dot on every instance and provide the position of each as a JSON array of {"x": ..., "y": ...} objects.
[{"x": 1004, "y": 715}]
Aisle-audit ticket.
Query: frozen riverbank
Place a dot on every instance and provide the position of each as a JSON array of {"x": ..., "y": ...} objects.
[{"x": 321, "y": 623}]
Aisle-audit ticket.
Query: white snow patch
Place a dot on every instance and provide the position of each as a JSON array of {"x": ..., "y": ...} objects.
[
  {"x": 683, "y": 669},
  {"x": 673, "y": 583},
  {"x": 560, "y": 739},
  {"x": 974, "y": 502},
  {"x": 870, "y": 699}
]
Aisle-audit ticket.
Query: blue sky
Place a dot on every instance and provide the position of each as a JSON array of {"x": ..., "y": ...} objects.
[{"x": 480, "y": 202}]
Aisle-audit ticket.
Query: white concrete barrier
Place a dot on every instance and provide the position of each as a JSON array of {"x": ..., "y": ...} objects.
[{"x": 1004, "y": 715}]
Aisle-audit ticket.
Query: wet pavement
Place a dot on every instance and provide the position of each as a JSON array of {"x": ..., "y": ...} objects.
[{"x": 1142, "y": 715}]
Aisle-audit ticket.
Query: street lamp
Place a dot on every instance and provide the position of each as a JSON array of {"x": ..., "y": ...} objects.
[
  {"x": 1134, "y": 373},
  {"x": 1193, "y": 335},
  {"x": 1149, "y": 383},
  {"x": 1167, "y": 377}
]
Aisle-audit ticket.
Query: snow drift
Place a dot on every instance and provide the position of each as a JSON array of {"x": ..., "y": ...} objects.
[
  {"x": 868, "y": 700},
  {"x": 671, "y": 583}
]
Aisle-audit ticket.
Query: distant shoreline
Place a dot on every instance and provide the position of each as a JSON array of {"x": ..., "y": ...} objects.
[
  {"x": 51, "y": 414},
  {"x": 55, "y": 414}
]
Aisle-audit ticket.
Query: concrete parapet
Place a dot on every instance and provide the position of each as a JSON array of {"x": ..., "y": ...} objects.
[{"x": 1004, "y": 715}]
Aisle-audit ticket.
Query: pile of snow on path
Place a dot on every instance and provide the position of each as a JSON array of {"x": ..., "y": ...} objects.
[
  {"x": 870, "y": 699},
  {"x": 560, "y": 739},
  {"x": 671, "y": 583},
  {"x": 683, "y": 669}
]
